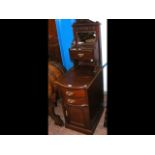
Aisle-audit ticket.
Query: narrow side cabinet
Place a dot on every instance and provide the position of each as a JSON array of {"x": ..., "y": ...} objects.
[{"x": 81, "y": 88}]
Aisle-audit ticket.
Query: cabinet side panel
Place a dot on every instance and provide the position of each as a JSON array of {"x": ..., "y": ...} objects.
[{"x": 95, "y": 97}]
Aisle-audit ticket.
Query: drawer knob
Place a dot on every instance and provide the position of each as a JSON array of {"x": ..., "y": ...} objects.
[
  {"x": 80, "y": 55},
  {"x": 91, "y": 60},
  {"x": 69, "y": 93},
  {"x": 66, "y": 113},
  {"x": 70, "y": 101}
]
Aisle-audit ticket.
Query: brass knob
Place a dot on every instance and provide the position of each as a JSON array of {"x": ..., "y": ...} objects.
[
  {"x": 80, "y": 54},
  {"x": 66, "y": 112},
  {"x": 69, "y": 93},
  {"x": 70, "y": 101}
]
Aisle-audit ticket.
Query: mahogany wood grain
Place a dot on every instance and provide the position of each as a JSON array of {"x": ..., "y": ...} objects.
[{"x": 81, "y": 88}]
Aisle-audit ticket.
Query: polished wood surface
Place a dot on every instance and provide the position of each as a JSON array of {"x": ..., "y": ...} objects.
[
  {"x": 88, "y": 46},
  {"x": 53, "y": 43},
  {"x": 82, "y": 96},
  {"x": 81, "y": 88},
  {"x": 55, "y": 69},
  {"x": 80, "y": 77}
]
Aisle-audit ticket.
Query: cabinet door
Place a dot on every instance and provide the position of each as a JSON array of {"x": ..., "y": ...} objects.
[{"x": 77, "y": 115}]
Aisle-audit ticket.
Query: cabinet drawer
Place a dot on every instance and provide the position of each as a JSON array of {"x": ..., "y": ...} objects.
[
  {"x": 73, "y": 93},
  {"x": 83, "y": 55},
  {"x": 76, "y": 101}
]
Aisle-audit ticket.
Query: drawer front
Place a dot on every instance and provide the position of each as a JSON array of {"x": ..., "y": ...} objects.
[
  {"x": 76, "y": 101},
  {"x": 85, "y": 28},
  {"x": 73, "y": 93},
  {"x": 84, "y": 55}
]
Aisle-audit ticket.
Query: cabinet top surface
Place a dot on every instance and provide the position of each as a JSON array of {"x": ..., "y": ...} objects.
[
  {"x": 84, "y": 22},
  {"x": 80, "y": 77}
]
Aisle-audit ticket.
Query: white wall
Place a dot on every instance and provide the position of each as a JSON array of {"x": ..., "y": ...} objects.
[{"x": 103, "y": 23}]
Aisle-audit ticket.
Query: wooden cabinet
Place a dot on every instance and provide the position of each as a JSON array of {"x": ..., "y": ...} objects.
[
  {"x": 82, "y": 97},
  {"x": 81, "y": 88},
  {"x": 87, "y": 42},
  {"x": 55, "y": 70},
  {"x": 53, "y": 44}
]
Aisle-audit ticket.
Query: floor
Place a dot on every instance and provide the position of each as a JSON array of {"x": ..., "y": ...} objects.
[{"x": 57, "y": 130}]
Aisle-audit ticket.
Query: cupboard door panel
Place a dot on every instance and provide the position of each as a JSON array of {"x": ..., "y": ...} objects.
[{"x": 77, "y": 115}]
